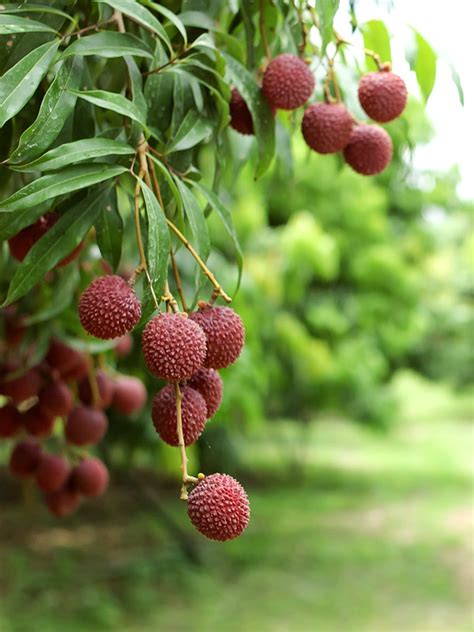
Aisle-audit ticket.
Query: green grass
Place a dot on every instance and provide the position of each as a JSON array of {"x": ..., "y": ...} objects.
[{"x": 351, "y": 531}]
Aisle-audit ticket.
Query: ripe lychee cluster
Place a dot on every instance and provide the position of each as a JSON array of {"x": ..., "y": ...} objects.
[{"x": 328, "y": 127}]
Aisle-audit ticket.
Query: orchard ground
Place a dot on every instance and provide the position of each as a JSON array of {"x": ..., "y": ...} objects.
[{"x": 351, "y": 531}]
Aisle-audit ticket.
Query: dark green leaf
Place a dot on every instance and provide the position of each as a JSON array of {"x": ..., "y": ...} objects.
[
  {"x": 38, "y": 8},
  {"x": 14, "y": 24},
  {"x": 67, "y": 181},
  {"x": 169, "y": 15},
  {"x": 112, "y": 101},
  {"x": 196, "y": 220},
  {"x": 376, "y": 39},
  {"x": 55, "y": 108},
  {"x": 12, "y": 223},
  {"x": 192, "y": 131},
  {"x": 109, "y": 44},
  {"x": 63, "y": 297},
  {"x": 77, "y": 151},
  {"x": 326, "y": 9},
  {"x": 263, "y": 121},
  {"x": 20, "y": 82},
  {"x": 425, "y": 66},
  {"x": 109, "y": 230}
]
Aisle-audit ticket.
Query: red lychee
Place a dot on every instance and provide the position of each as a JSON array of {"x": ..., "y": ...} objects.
[
  {"x": 208, "y": 382},
  {"x": 327, "y": 127},
  {"x": 37, "y": 422},
  {"x": 124, "y": 346},
  {"x": 129, "y": 394},
  {"x": 63, "y": 502},
  {"x": 369, "y": 150},
  {"x": 25, "y": 458},
  {"x": 240, "y": 116},
  {"x": 21, "y": 388},
  {"x": 288, "y": 82},
  {"x": 85, "y": 426},
  {"x": 56, "y": 399},
  {"x": 90, "y": 477},
  {"x": 225, "y": 334},
  {"x": 52, "y": 473},
  {"x": 382, "y": 95},
  {"x": 193, "y": 412},
  {"x": 109, "y": 307},
  {"x": 105, "y": 387},
  {"x": 10, "y": 421},
  {"x": 219, "y": 508},
  {"x": 70, "y": 363},
  {"x": 174, "y": 346}
]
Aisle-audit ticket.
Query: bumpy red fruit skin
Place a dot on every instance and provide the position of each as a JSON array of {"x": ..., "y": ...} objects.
[
  {"x": 10, "y": 422},
  {"x": 208, "y": 382},
  {"x": 52, "y": 473},
  {"x": 90, "y": 477},
  {"x": 240, "y": 117},
  {"x": 56, "y": 399},
  {"x": 382, "y": 95},
  {"x": 129, "y": 395},
  {"x": 22, "y": 387},
  {"x": 105, "y": 386},
  {"x": 38, "y": 423},
  {"x": 219, "y": 508},
  {"x": 69, "y": 363},
  {"x": 193, "y": 410},
  {"x": 369, "y": 150},
  {"x": 86, "y": 426},
  {"x": 288, "y": 82},
  {"x": 225, "y": 335},
  {"x": 174, "y": 347},
  {"x": 63, "y": 502},
  {"x": 326, "y": 127},
  {"x": 109, "y": 308},
  {"x": 25, "y": 458}
]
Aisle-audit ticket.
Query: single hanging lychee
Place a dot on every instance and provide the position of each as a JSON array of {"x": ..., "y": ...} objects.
[
  {"x": 369, "y": 149},
  {"x": 130, "y": 394},
  {"x": 85, "y": 426},
  {"x": 56, "y": 399},
  {"x": 225, "y": 334},
  {"x": 63, "y": 502},
  {"x": 193, "y": 413},
  {"x": 327, "y": 127},
  {"x": 208, "y": 382},
  {"x": 52, "y": 472},
  {"x": 382, "y": 95},
  {"x": 105, "y": 390},
  {"x": 109, "y": 308},
  {"x": 288, "y": 82},
  {"x": 25, "y": 458},
  {"x": 90, "y": 477}
]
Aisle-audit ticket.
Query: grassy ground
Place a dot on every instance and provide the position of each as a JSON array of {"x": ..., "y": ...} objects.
[{"x": 357, "y": 532}]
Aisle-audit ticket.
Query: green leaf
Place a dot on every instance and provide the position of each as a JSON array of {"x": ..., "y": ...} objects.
[
  {"x": 425, "y": 66},
  {"x": 457, "y": 82},
  {"x": 109, "y": 230},
  {"x": 57, "y": 243},
  {"x": 63, "y": 297},
  {"x": 77, "y": 151},
  {"x": 38, "y": 8},
  {"x": 193, "y": 129},
  {"x": 196, "y": 220},
  {"x": 226, "y": 218},
  {"x": 169, "y": 15},
  {"x": 263, "y": 121},
  {"x": 137, "y": 86},
  {"x": 12, "y": 223},
  {"x": 171, "y": 183},
  {"x": 53, "y": 185},
  {"x": 109, "y": 44},
  {"x": 14, "y": 24},
  {"x": 376, "y": 39},
  {"x": 55, "y": 108},
  {"x": 19, "y": 83},
  {"x": 112, "y": 101},
  {"x": 326, "y": 9},
  {"x": 158, "y": 240},
  {"x": 142, "y": 16}
]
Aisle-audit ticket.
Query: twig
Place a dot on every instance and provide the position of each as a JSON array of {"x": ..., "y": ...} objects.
[
  {"x": 184, "y": 459},
  {"x": 263, "y": 35},
  {"x": 179, "y": 284}
]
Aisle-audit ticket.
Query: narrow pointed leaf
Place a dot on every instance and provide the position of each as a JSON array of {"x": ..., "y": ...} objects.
[
  {"x": 327, "y": 10},
  {"x": 109, "y": 44},
  {"x": 15, "y": 24},
  {"x": 196, "y": 220},
  {"x": 169, "y": 15},
  {"x": 425, "y": 66},
  {"x": 112, "y": 101},
  {"x": 376, "y": 39},
  {"x": 109, "y": 230},
  {"x": 192, "y": 131}
]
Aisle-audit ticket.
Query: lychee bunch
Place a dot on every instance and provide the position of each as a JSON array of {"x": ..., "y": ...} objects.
[
  {"x": 209, "y": 383},
  {"x": 327, "y": 127},
  {"x": 219, "y": 508},
  {"x": 382, "y": 95},
  {"x": 369, "y": 149},
  {"x": 174, "y": 346},
  {"x": 164, "y": 414},
  {"x": 288, "y": 82},
  {"x": 224, "y": 332},
  {"x": 109, "y": 307}
]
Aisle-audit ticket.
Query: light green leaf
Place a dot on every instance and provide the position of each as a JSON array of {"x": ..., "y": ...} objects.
[
  {"x": 193, "y": 129},
  {"x": 55, "y": 108},
  {"x": 109, "y": 44},
  {"x": 19, "y": 83},
  {"x": 263, "y": 121},
  {"x": 376, "y": 39},
  {"x": 112, "y": 101},
  {"x": 326, "y": 9},
  {"x": 109, "y": 230},
  {"x": 425, "y": 66},
  {"x": 77, "y": 151},
  {"x": 53, "y": 185},
  {"x": 14, "y": 24}
]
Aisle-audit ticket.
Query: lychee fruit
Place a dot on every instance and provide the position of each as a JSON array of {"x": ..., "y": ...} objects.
[
  {"x": 56, "y": 399},
  {"x": 174, "y": 346},
  {"x": 109, "y": 307},
  {"x": 90, "y": 477},
  {"x": 37, "y": 422},
  {"x": 70, "y": 363},
  {"x": 193, "y": 413},
  {"x": 52, "y": 472},
  {"x": 225, "y": 334},
  {"x": 85, "y": 426},
  {"x": 382, "y": 95},
  {"x": 63, "y": 502},
  {"x": 25, "y": 458},
  {"x": 369, "y": 149},
  {"x": 21, "y": 388},
  {"x": 240, "y": 116},
  {"x": 105, "y": 387},
  {"x": 124, "y": 346},
  {"x": 10, "y": 421},
  {"x": 219, "y": 508},
  {"x": 288, "y": 82},
  {"x": 327, "y": 127},
  {"x": 129, "y": 395},
  {"x": 209, "y": 383}
]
